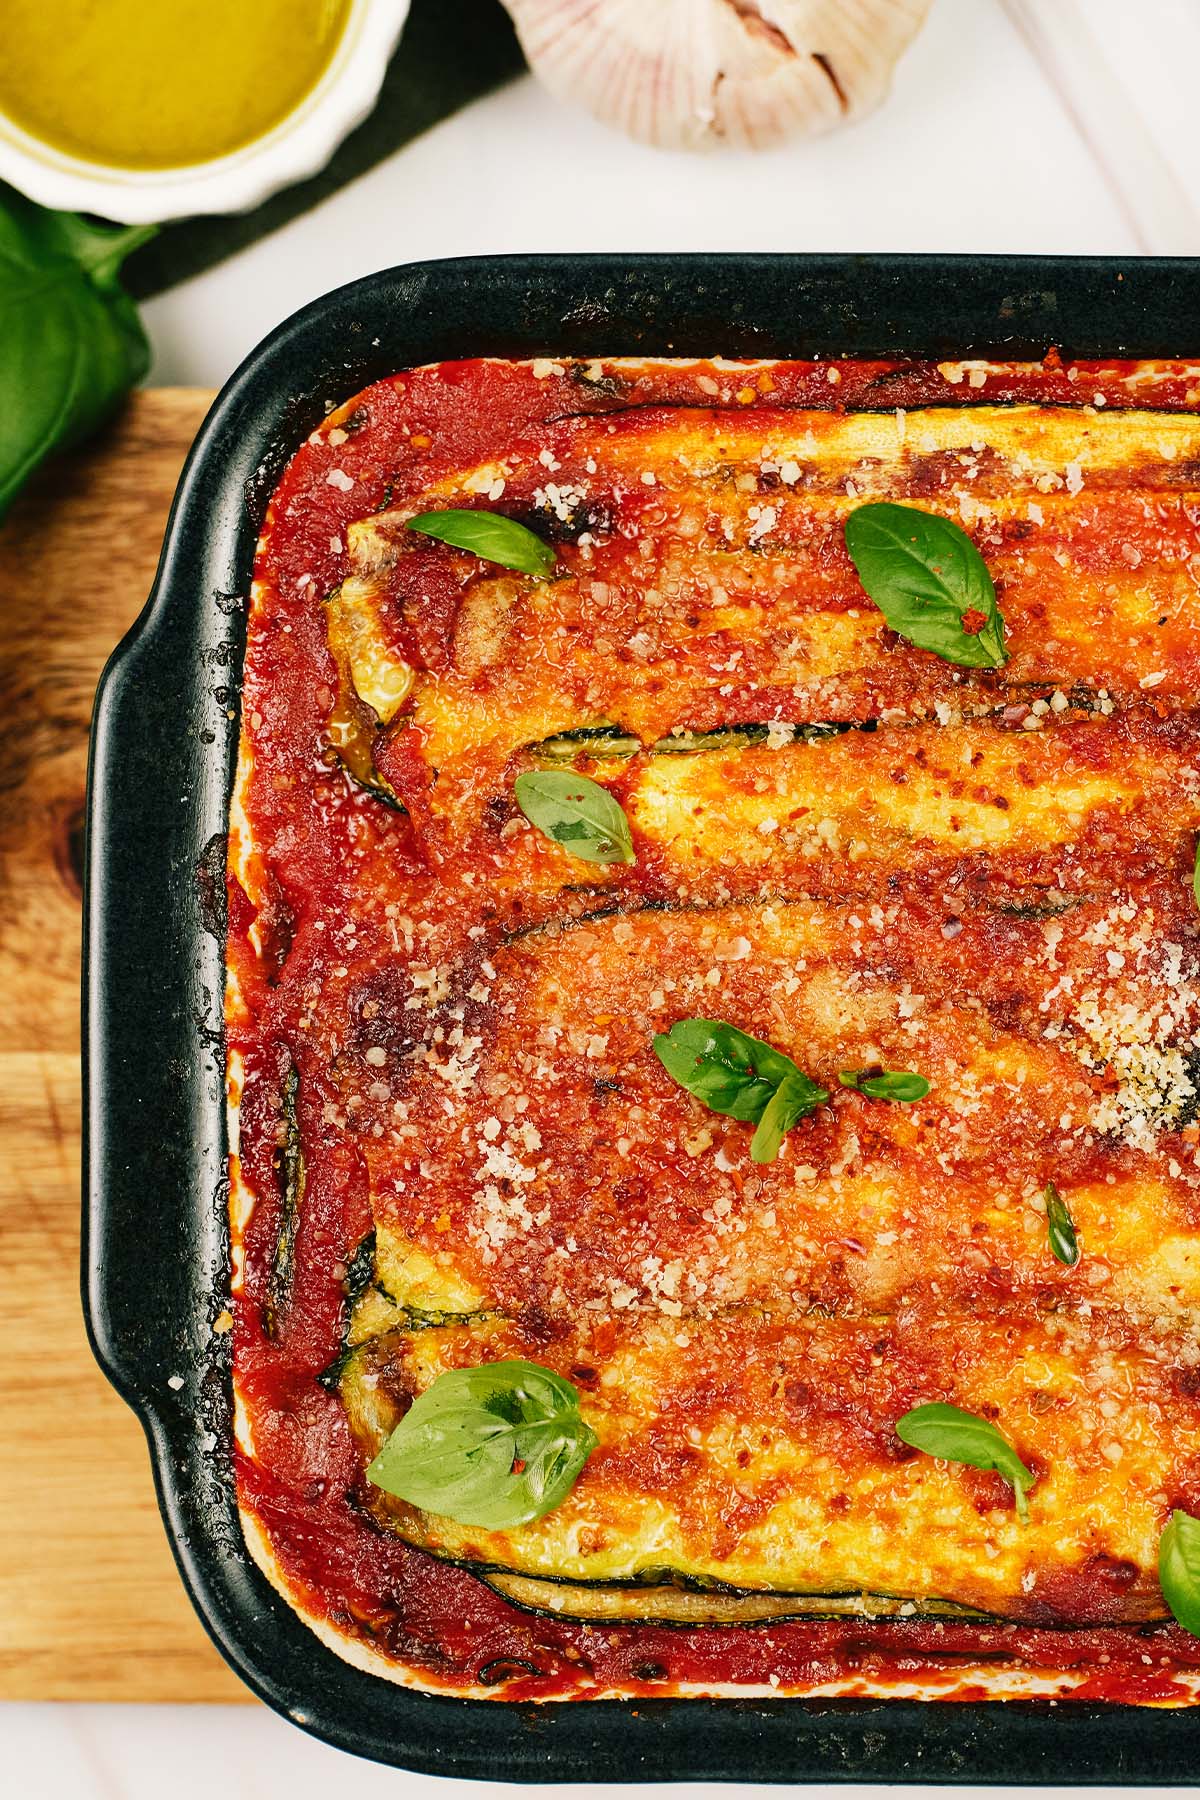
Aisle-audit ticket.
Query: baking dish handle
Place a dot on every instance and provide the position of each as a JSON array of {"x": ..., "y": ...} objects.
[{"x": 162, "y": 749}]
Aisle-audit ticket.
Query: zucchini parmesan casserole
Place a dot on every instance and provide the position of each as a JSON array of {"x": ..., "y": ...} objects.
[{"x": 714, "y": 1030}]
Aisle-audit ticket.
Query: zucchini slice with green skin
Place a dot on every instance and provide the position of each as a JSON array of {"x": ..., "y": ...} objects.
[
  {"x": 660, "y": 1596},
  {"x": 372, "y": 1316},
  {"x": 372, "y": 685},
  {"x": 608, "y": 742},
  {"x": 378, "y": 1265},
  {"x": 646, "y": 1520},
  {"x": 359, "y": 1286},
  {"x": 420, "y": 1287},
  {"x": 381, "y": 679},
  {"x": 377, "y": 1380},
  {"x": 735, "y": 737},
  {"x": 667, "y": 1602},
  {"x": 289, "y": 1173},
  {"x": 603, "y": 742},
  {"x": 372, "y": 1409},
  {"x": 360, "y": 1271},
  {"x": 370, "y": 1311}
]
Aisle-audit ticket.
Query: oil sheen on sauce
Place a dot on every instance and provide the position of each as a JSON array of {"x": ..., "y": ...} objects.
[{"x": 159, "y": 84}]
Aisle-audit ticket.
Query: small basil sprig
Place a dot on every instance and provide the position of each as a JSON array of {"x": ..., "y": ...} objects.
[
  {"x": 740, "y": 1076},
  {"x": 577, "y": 813},
  {"x": 901, "y": 1085},
  {"x": 492, "y": 536},
  {"x": 1179, "y": 1569},
  {"x": 494, "y": 1446},
  {"x": 963, "y": 1437},
  {"x": 929, "y": 582},
  {"x": 1060, "y": 1227},
  {"x": 795, "y": 1097},
  {"x": 71, "y": 343}
]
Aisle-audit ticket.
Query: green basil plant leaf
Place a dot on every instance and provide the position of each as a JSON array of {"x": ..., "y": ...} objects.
[
  {"x": 489, "y": 535},
  {"x": 494, "y": 1446},
  {"x": 793, "y": 1099},
  {"x": 71, "y": 343},
  {"x": 963, "y": 1437},
  {"x": 1060, "y": 1227},
  {"x": 892, "y": 1084},
  {"x": 577, "y": 813},
  {"x": 929, "y": 582},
  {"x": 740, "y": 1076},
  {"x": 1179, "y": 1569}
]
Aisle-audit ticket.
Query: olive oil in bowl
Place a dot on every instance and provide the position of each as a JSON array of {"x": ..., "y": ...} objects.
[{"x": 160, "y": 84}]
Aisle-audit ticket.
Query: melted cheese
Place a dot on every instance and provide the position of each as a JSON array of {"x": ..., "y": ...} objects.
[{"x": 762, "y": 1456}]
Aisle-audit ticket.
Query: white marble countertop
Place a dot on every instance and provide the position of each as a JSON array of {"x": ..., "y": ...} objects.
[
  {"x": 1015, "y": 125},
  {"x": 1049, "y": 126}
]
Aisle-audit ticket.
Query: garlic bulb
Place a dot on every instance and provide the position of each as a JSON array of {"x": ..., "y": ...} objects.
[{"x": 684, "y": 74}]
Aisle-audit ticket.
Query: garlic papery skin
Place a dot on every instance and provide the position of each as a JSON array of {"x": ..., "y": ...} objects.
[{"x": 687, "y": 74}]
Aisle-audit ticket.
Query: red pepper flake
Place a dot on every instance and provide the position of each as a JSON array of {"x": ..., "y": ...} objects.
[
  {"x": 518, "y": 1467},
  {"x": 973, "y": 621}
]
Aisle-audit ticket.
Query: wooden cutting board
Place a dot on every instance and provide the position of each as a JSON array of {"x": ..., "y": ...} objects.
[{"x": 91, "y": 1607}]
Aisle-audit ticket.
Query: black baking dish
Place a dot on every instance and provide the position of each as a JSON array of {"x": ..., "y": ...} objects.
[{"x": 163, "y": 748}]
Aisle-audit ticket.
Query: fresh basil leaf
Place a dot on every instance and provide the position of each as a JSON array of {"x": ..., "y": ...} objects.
[
  {"x": 739, "y": 1076},
  {"x": 492, "y": 536},
  {"x": 963, "y": 1437},
  {"x": 929, "y": 582},
  {"x": 70, "y": 340},
  {"x": 1060, "y": 1227},
  {"x": 730, "y": 1071},
  {"x": 795, "y": 1097},
  {"x": 893, "y": 1084},
  {"x": 494, "y": 1446},
  {"x": 1179, "y": 1569},
  {"x": 577, "y": 813}
]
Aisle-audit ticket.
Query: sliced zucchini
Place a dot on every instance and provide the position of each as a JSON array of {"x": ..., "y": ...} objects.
[
  {"x": 836, "y": 1526},
  {"x": 360, "y": 1271},
  {"x": 741, "y": 737},
  {"x": 689, "y": 1603},
  {"x": 371, "y": 1311},
  {"x": 605, "y": 740},
  {"x": 381, "y": 679},
  {"x": 372, "y": 685},
  {"x": 392, "y": 1286},
  {"x": 422, "y": 1287},
  {"x": 372, "y": 1408}
]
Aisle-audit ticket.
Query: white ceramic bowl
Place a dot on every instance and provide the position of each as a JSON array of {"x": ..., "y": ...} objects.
[{"x": 298, "y": 146}]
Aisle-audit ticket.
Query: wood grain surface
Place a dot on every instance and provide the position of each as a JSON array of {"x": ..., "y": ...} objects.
[{"x": 91, "y": 1607}]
